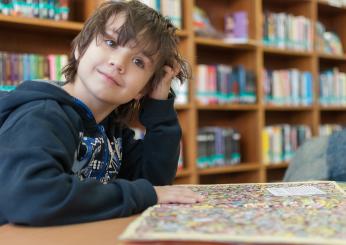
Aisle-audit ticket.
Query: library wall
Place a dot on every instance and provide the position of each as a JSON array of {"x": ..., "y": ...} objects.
[{"x": 267, "y": 75}]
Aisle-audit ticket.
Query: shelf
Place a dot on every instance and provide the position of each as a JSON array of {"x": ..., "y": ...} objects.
[
  {"x": 332, "y": 108},
  {"x": 235, "y": 107},
  {"x": 68, "y": 26},
  {"x": 250, "y": 45},
  {"x": 182, "y": 33},
  {"x": 326, "y": 7},
  {"x": 282, "y": 2},
  {"x": 40, "y": 24},
  {"x": 287, "y": 108},
  {"x": 286, "y": 52},
  {"x": 182, "y": 106},
  {"x": 333, "y": 57},
  {"x": 276, "y": 165},
  {"x": 241, "y": 167}
]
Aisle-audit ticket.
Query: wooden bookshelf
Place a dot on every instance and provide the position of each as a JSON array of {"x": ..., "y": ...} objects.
[
  {"x": 35, "y": 23},
  {"x": 283, "y": 52},
  {"x": 19, "y": 34},
  {"x": 202, "y": 41},
  {"x": 29, "y": 35}
]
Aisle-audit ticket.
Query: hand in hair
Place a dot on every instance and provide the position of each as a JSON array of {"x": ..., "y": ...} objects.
[{"x": 162, "y": 89}]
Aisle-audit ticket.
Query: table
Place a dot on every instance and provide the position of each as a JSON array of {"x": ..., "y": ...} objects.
[{"x": 95, "y": 233}]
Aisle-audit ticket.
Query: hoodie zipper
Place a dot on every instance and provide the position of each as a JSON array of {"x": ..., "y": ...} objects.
[
  {"x": 102, "y": 131},
  {"x": 105, "y": 157}
]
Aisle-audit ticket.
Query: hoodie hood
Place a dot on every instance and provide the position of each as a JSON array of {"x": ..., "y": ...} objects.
[{"x": 29, "y": 91}]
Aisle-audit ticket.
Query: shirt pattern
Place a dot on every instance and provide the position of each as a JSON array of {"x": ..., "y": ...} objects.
[{"x": 99, "y": 158}]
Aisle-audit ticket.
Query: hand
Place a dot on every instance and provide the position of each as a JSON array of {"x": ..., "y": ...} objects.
[
  {"x": 162, "y": 90},
  {"x": 176, "y": 194}
]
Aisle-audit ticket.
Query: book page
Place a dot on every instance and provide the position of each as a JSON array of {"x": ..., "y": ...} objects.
[
  {"x": 311, "y": 213},
  {"x": 304, "y": 190}
]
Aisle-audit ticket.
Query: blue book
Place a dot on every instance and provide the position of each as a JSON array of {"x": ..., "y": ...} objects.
[
  {"x": 240, "y": 74},
  {"x": 309, "y": 95}
]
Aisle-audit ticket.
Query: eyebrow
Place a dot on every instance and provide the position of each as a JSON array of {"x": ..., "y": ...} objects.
[
  {"x": 151, "y": 60},
  {"x": 116, "y": 32}
]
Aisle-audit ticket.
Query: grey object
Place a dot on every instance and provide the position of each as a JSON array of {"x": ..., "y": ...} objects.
[
  {"x": 309, "y": 161},
  {"x": 321, "y": 158}
]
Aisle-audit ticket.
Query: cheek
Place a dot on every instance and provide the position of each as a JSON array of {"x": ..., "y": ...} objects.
[
  {"x": 82, "y": 67},
  {"x": 92, "y": 55},
  {"x": 87, "y": 63},
  {"x": 140, "y": 78}
]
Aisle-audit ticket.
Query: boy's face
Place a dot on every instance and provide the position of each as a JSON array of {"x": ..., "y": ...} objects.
[{"x": 112, "y": 75}]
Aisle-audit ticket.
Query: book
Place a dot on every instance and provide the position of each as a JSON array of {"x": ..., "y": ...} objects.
[
  {"x": 15, "y": 68},
  {"x": 173, "y": 10},
  {"x": 218, "y": 146},
  {"x": 285, "y": 31},
  {"x": 224, "y": 84},
  {"x": 328, "y": 129},
  {"x": 45, "y": 9},
  {"x": 288, "y": 212},
  {"x": 236, "y": 27},
  {"x": 288, "y": 87},
  {"x": 280, "y": 141}
]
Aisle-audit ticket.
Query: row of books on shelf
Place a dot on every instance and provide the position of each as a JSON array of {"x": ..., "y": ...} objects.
[
  {"x": 218, "y": 146},
  {"x": 170, "y": 8},
  {"x": 327, "y": 42},
  {"x": 333, "y": 87},
  {"x": 44, "y": 9},
  {"x": 288, "y": 87},
  {"x": 216, "y": 84},
  {"x": 279, "y": 142},
  {"x": 221, "y": 84},
  {"x": 328, "y": 129},
  {"x": 280, "y": 30},
  {"x": 140, "y": 133},
  {"x": 287, "y": 31},
  {"x": 15, "y": 67}
]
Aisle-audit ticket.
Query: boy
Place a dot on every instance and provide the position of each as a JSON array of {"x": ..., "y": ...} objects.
[{"x": 66, "y": 154}]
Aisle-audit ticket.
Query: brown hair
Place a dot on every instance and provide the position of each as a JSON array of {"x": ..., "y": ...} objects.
[{"x": 149, "y": 29}]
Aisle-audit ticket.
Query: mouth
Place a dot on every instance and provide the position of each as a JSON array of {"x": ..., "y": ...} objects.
[{"x": 109, "y": 78}]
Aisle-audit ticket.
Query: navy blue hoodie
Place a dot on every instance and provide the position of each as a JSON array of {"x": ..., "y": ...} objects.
[{"x": 47, "y": 144}]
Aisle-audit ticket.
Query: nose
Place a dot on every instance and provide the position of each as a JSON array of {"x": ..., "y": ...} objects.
[
  {"x": 119, "y": 59},
  {"x": 117, "y": 65}
]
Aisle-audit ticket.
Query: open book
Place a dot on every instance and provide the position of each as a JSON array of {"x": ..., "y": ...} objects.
[{"x": 292, "y": 212}]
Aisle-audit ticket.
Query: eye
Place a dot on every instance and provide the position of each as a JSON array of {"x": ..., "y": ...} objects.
[
  {"x": 110, "y": 43},
  {"x": 138, "y": 62}
]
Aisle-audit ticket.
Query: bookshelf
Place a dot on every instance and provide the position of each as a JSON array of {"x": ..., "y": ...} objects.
[{"x": 47, "y": 36}]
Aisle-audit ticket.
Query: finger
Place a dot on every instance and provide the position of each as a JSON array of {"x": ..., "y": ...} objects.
[
  {"x": 168, "y": 70},
  {"x": 176, "y": 68},
  {"x": 171, "y": 72},
  {"x": 195, "y": 196},
  {"x": 190, "y": 194},
  {"x": 187, "y": 200}
]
